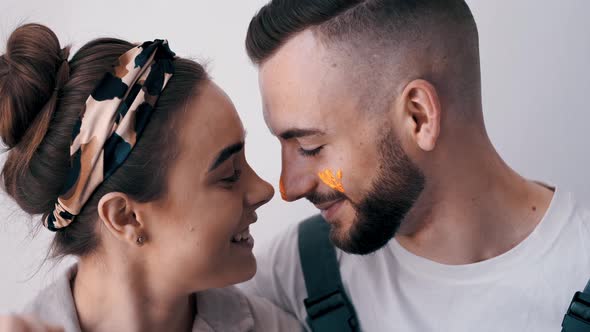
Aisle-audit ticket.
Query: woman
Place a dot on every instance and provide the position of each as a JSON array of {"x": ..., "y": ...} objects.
[{"x": 136, "y": 160}]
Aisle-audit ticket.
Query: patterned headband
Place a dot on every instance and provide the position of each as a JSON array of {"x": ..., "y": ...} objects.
[{"x": 116, "y": 114}]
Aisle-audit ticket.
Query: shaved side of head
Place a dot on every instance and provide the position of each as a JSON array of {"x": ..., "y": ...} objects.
[{"x": 382, "y": 45}]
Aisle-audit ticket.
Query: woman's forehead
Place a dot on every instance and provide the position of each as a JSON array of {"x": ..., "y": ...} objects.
[{"x": 211, "y": 123}]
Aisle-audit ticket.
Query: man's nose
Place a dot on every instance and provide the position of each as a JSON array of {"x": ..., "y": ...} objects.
[{"x": 296, "y": 182}]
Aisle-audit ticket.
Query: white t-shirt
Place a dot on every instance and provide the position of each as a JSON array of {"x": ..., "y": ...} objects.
[{"x": 525, "y": 289}]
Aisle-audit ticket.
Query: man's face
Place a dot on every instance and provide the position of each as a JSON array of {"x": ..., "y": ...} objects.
[{"x": 313, "y": 104}]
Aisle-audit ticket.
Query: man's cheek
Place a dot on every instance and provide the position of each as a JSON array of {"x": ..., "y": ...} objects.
[{"x": 332, "y": 180}]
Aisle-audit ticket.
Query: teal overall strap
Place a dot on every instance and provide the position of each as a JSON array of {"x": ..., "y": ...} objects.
[
  {"x": 328, "y": 307},
  {"x": 577, "y": 318}
]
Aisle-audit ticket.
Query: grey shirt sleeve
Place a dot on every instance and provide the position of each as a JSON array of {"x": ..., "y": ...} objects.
[{"x": 268, "y": 317}]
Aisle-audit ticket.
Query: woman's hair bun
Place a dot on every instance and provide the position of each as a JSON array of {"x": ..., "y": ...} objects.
[{"x": 32, "y": 70}]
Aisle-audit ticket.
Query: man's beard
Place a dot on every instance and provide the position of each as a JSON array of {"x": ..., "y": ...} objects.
[{"x": 394, "y": 191}]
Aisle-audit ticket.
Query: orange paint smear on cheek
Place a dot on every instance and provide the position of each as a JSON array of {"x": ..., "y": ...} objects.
[
  {"x": 331, "y": 180},
  {"x": 282, "y": 190}
]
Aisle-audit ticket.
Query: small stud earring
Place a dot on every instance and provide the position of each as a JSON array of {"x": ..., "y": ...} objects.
[{"x": 140, "y": 240}]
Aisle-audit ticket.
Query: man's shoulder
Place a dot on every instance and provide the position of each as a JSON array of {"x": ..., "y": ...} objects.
[
  {"x": 578, "y": 206},
  {"x": 283, "y": 246},
  {"x": 582, "y": 207},
  {"x": 277, "y": 261},
  {"x": 581, "y": 213},
  {"x": 279, "y": 277},
  {"x": 287, "y": 237}
]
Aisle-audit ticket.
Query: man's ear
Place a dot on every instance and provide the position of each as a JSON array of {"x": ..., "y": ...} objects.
[
  {"x": 421, "y": 112},
  {"x": 117, "y": 213}
]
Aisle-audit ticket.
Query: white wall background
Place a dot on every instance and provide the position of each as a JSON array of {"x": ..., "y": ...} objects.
[{"x": 536, "y": 81}]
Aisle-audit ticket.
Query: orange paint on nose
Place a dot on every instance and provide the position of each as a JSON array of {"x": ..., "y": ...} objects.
[
  {"x": 331, "y": 180},
  {"x": 282, "y": 190}
]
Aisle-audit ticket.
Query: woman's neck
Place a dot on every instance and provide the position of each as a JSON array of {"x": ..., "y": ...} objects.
[{"x": 117, "y": 297}]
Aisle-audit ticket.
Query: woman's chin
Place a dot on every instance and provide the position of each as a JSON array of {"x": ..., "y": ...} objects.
[
  {"x": 249, "y": 270},
  {"x": 243, "y": 272}
]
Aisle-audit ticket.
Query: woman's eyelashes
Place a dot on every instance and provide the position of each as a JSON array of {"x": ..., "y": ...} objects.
[
  {"x": 310, "y": 153},
  {"x": 235, "y": 177}
]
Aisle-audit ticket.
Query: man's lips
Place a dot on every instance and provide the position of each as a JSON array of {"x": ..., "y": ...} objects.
[
  {"x": 327, "y": 205},
  {"x": 329, "y": 209}
]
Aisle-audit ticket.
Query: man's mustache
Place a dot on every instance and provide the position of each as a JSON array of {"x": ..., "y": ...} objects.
[{"x": 317, "y": 198}]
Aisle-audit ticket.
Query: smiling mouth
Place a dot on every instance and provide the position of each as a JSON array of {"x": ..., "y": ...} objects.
[
  {"x": 243, "y": 238},
  {"x": 330, "y": 209},
  {"x": 326, "y": 206}
]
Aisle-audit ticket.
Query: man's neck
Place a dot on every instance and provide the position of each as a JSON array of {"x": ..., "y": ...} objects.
[{"x": 478, "y": 210}]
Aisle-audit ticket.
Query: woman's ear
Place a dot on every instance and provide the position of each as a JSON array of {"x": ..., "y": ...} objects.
[{"x": 117, "y": 213}]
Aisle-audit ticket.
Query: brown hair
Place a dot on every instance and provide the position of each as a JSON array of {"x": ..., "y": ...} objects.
[
  {"x": 41, "y": 97},
  {"x": 344, "y": 20},
  {"x": 389, "y": 42}
]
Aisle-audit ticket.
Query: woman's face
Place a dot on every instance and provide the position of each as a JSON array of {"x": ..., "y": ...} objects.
[{"x": 199, "y": 231}]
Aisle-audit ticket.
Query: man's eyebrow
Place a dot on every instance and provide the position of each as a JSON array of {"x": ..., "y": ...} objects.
[
  {"x": 225, "y": 154},
  {"x": 298, "y": 133}
]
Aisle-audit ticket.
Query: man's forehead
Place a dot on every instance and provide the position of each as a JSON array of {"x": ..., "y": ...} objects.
[
  {"x": 302, "y": 56},
  {"x": 301, "y": 44},
  {"x": 283, "y": 118},
  {"x": 304, "y": 86}
]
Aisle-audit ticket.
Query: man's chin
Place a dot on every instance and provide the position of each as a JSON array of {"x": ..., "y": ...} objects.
[
  {"x": 356, "y": 233},
  {"x": 341, "y": 231},
  {"x": 340, "y": 238},
  {"x": 358, "y": 239}
]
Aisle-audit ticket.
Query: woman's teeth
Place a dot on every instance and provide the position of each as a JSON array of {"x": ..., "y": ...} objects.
[{"x": 243, "y": 236}]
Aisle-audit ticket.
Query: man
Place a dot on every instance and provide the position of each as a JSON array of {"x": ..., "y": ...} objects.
[{"x": 386, "y": 94}]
